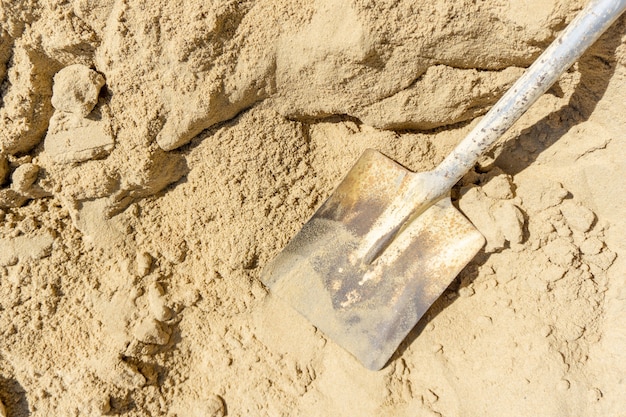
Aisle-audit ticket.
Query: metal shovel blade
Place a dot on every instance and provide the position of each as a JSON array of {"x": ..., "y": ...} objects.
[{"x": 369, "y": 308}]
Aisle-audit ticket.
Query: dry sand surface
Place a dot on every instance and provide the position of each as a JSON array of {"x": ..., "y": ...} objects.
[{"x": 156, "y": 154}]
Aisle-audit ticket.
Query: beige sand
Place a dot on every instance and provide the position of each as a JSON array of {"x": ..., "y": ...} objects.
[{"x": 136, "y": 215}]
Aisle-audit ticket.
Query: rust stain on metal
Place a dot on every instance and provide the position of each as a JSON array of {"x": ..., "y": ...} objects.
[
  {"x": 369, "y": 309},
  {"x": 368, "y": 302}
]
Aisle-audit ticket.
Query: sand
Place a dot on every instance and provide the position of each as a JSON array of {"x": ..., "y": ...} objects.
[{"x": 155, "y": 155}]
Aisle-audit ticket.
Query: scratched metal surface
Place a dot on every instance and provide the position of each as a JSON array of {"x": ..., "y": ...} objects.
[{"x": 368, "y": 309}]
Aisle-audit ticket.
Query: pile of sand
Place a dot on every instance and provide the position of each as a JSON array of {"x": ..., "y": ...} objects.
[{"x": 155, "y": 155}]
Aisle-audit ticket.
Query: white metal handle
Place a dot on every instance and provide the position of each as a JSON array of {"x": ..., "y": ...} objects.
[
  {"x": 424, "y": 189},
  {"x": 579, "y": 35}
]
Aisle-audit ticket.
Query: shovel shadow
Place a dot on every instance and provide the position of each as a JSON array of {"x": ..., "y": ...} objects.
[
  {"x": 465, "y": 278},
  {"x": 13, "y": 396},
  {"x": 596, "y": 68}
]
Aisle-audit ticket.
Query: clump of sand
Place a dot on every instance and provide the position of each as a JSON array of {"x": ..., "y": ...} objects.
[{"x": 155, "y": 156}]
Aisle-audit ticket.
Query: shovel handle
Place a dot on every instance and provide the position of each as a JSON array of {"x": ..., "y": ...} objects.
[
  {"x": 424, "y": 189},
  {"x": 579, "y": 35}
]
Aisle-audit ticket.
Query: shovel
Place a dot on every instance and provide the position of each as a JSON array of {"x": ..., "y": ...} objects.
[{"x": 387, "y": 242}]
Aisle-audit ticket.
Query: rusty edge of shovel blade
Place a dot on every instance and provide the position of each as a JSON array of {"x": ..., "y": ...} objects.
[{"x": 368, "y": 309}]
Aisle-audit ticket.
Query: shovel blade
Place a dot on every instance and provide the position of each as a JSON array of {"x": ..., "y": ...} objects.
[{"x": 368, "y": 309}]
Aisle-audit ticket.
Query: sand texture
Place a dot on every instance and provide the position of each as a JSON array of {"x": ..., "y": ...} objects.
[{"x": 155, "y": 155}]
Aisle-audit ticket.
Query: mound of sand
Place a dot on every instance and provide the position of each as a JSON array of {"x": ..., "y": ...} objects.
[{"x": 155, "y": 155}]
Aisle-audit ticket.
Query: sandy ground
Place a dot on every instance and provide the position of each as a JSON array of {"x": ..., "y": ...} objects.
[{"x": 155, "y": 155}]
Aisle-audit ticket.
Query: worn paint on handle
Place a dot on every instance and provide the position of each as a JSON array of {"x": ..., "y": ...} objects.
[
  {"x": 579, "y": 35},
  {"x": 422, "y": 190}
]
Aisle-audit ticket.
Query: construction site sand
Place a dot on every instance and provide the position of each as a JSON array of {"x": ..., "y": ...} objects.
[{"x": 155, "y": 155}]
